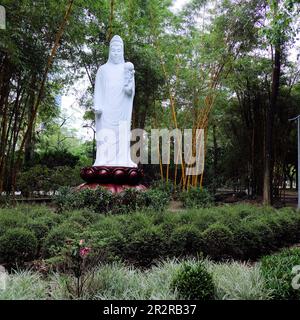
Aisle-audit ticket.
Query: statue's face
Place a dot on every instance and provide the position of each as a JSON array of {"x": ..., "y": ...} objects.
[{"x": 116, "y": 53}]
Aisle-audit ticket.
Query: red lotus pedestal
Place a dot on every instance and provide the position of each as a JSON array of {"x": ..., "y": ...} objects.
[{"x": 115, "y": 179}]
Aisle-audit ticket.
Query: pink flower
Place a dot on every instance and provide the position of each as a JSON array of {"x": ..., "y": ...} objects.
[
  {"x": 84, "y": 252},
  {"x": 81, "y": 242}
]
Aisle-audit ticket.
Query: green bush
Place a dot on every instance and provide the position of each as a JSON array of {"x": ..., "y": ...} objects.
[
  {"x": 277, "y": 270},
  {"x": 185, "y": 240},
  {"x": 34, "y": 179},
  {"x": 196, "y": 198},
  {"x": 218, "y": 232},
  {"x": 17, "y": 246},
  {"x": 142, "y": 247},
  {"x": 194, "y": 282},
  {"x": 57, "y": 237},
  {"x": 103, "y": 201},
  {"x": 79, "y": 217},
  {"x": 235, "y": 231},
  {"x": 39, "y": 228},
  {"x": 155, "y": 199},
  {"x": 128, "y": 201},
  {"x": 99, "y": 200},
  {"x": 45, "y": 179},
  {"x": 132, "y": 200},
  {"x": 217, "y": 241},
  {"x": 50, "y": 220},
  {"x": 9, "y": 221},
  {"x": 173, "y": 191}
]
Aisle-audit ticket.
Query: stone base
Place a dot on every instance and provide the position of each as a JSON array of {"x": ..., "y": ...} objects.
[{"x": 114, "y": 188}]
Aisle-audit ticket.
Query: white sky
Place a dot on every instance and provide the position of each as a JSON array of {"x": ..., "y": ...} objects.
[{"x": 74, "y": 112}]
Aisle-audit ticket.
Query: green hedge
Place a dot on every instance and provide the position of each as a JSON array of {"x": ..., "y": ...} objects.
[
  {"x": 103, "y": 201},
  {"x": 43, "y": 178},
  {"x": 238, "y": 231}
]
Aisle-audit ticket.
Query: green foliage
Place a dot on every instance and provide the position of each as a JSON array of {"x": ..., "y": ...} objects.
[
  {"x": 277, "y": 270},
  {"x": 25, "y": 285},
  {"x": 173, "y": 190},
  {"x": 238, "y": 281},
  {"x": 193, "y": 281},
  {"x": 103, "y": 201},
  {"x": 99, "y": 200},
  {"x": 217, "y": 241},
  {"x": 185, "y": 240},
  {"x": 17, "y": 246},
  {"x": 58, "y": 237},
  {"x": 117, "y": 281},
  {"x": 58, "y": 158},
  {"x": 144, "y": 246},
  {"x": 196, "y": 198},
  {"x": 259, "y": 234},
  {"x": 39, "y": 228},
  {"x": 223, "y": 232},
  {"x": 43, "y": 179},
  {"x": 153, "y": 199}
]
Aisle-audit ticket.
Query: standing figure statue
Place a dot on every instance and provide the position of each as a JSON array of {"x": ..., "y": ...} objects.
[{"x": 113, "y": 100}]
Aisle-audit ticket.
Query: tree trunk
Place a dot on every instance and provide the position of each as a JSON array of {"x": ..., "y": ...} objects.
[
  {"x": 215, "y": 163},
  {"x": 271, "y": 111}
]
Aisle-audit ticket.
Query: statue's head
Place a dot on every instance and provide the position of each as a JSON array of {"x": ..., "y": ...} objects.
[{"x": 116, "y": 50}]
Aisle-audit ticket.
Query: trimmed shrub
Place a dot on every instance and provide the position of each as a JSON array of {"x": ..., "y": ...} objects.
[
  {"x": 9, "y": 221},
  {"x": 17, "y": 246},
  {"x": 155, "y": 199},
  {"x": 78, "y": 217},
  {"x": 128, "y": 201},
  {"x": 217, "y": 241},
  {"x": 277, "y": 270},
  {"x": 49, "y": 220},
  {"x": 196, "y": 198},
  {"x": 253, "y": 239},
  {"x": 142, "y": 248},
  {"x": 39, "y": 229},
  {"x": 236, "y": 231},
  {"x": 57, "y": 237},
  {"x": 103, "y": 201},
  {"x": 46, "y": 179},
  {"x": 194, "y": 282},
  {"x": 185, "y": 240}
]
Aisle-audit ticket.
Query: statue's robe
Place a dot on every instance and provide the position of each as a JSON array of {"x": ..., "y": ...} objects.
[{"x": 113, "y": 125}]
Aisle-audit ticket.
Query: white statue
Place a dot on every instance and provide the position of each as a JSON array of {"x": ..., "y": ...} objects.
[{"x": 113, "y": 100}]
